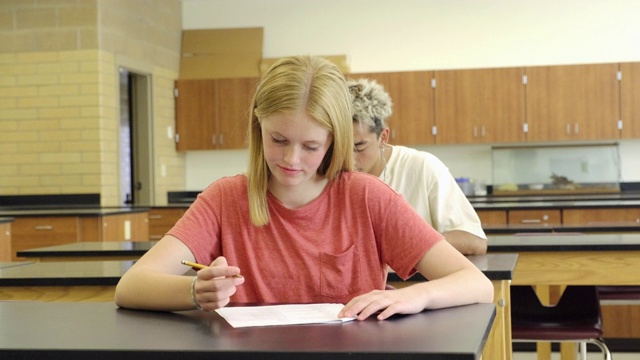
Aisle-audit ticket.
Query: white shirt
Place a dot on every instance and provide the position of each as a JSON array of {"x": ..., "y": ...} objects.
[{"x": 426, "y": 183}]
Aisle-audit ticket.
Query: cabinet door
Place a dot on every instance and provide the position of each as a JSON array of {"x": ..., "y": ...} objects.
[
  {"x": 112, "y": 228},
  {"x": 573, "y": 102},
  {"x": 535, "y": 217},
  {"x": 412, "y": 119},
  {"x": 162, "y": 220},
  {"x": 600, "y": 216},
  {"x": 5, "y": 242},
  {"x": 234, "y": 102},
  {"x": 139, "y": 226},
  {"x": 36, "y": 232},
  {"x": 492, "y": 217},
  {"x": 630, "y": 98},
  {"x": 196, "y": 114},
  {"x": 125, "y": 227},
  {"x": 479, "y": 106}
]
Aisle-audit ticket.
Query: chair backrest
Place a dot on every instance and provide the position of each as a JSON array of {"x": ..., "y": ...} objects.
[{"x": 577, "y": 302}]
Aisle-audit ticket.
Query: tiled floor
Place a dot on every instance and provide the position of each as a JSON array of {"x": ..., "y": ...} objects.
[{"x": 592, "y": 355}]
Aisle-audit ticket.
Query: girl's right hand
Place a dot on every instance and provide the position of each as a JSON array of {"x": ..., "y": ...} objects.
[{"x": 216, "y": 284}]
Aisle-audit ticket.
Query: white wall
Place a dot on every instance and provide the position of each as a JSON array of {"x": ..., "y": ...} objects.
[{"x": 397, "y": 35}]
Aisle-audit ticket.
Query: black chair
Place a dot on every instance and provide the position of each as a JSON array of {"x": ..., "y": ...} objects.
[{"x": 575, "y": 318}]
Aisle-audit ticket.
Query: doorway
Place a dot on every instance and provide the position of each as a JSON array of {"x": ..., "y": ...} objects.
[{"x": 136, "y": 140}]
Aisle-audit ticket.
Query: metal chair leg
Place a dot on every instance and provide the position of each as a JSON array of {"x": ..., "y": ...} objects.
[{"x": 603, "y": 347}]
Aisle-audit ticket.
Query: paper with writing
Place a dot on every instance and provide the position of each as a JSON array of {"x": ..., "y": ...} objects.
[{"x": 270, "y": 315}]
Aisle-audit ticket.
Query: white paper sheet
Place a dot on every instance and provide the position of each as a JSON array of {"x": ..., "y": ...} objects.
[{"x": 270, "y": 315}]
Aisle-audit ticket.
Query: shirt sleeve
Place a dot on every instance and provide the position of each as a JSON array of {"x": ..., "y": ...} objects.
[
  {"x": 450, "y": 209},
  {"x": 403, "y": 234}
]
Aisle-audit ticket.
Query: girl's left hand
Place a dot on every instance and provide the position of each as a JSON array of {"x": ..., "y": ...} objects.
[{"x": 387, "y": 302}]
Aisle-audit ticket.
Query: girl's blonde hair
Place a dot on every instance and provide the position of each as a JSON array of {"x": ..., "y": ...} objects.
[{"x": 293, "y": 83}]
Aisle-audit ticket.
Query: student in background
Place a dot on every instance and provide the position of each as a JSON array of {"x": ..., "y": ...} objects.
[
  {"x": 300, "y": 226},
  {"x": 419, "y": 176}
]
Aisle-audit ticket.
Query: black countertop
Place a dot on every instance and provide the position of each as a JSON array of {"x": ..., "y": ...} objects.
[
  {"x": 100, "y": 330},
  {"x": 628, "y": 196},
  {"x": 106, "y": 273},
  {"x": 621, "y": 196},
  {"x": 67, "y": 273},
  {"x": 553, "y": 203},
  {"x": 604, "y": 227},
  {"x": 494, "y": 266},
  {"x": 16, "y": 211},
  {"x": 90, "y": 249},
  {"x": 528, "y": 242}
]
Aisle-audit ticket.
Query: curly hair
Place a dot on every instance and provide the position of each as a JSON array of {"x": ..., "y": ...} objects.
[{"x": 372, "y": 105}]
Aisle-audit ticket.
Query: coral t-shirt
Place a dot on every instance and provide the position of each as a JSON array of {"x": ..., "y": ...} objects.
[{"x": 334, "y": 248}]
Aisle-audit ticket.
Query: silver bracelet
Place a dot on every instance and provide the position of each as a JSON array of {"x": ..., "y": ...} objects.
[{"x": 193, "y": 294}]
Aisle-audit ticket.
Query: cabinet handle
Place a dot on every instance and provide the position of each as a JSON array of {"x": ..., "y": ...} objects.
[
  {"x": 213, "y": 139},
  {"x": 530, "y": 221},
  {"x": 576, "y": 128},
  {"x": 43, "y": 227},
  {"x": 221, "y": 139},
  {"x": 568, "y": 129},
  {"x": 484, "y": 132},
  {"x": 155, "y": 217}
]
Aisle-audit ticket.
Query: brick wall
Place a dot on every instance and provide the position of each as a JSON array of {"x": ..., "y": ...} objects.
[{"x": 59, "y": 63}]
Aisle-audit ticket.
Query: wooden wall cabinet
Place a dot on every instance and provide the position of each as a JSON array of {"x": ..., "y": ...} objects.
[
  {"x": 572, "y": 102},
  {"x": 630, "y": 98},
  {"x": 479, "y": 106},
  {"x": 162, "y": 220},
  {"x": 5, "y": 242},
  {"x": 213, "y": 113},
  {"x": 469, "y": 106},
  {"x": 412, "y": 95}
]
